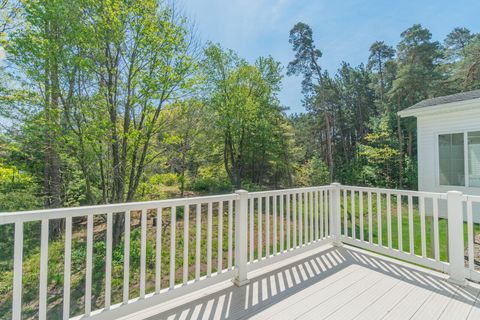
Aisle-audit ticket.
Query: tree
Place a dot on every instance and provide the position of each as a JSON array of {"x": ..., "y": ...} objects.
[
  {"x": 456, "y": 42},
  {"x": 37, "y": 48},
  {"x": 241, "y": 98},
  {"x": 181, "y": 138},
  {"x": 417, "y": 73},
  {"x": 379, "y": 150},
  {"x": 306, "y": 64},
  {"x": 467, "y": 70},
  {"x": 380, "y": 54},
  {"x": 102, "y": 73}
]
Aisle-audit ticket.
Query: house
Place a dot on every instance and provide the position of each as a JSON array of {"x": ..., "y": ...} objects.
[{"x": 448, "y": 133}]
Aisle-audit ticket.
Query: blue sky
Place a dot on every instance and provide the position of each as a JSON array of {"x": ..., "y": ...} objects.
[{"x": 343, "y": 29}]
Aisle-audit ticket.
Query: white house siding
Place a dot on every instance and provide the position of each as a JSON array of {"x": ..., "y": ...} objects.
[{"x": 428, "y": 128}]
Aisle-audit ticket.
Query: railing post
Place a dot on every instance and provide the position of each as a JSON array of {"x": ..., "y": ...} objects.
[
  {"x": 335, "y": 222},
  {"x": 241, "y": 249},
  {"x": 455, "y": 238}
]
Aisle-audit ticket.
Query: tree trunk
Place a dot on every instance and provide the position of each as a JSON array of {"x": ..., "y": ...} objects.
[
  {"x": 329, "y": 146},
  {"x": 400, "y": 148},
  {"x": 410, "y": 143},
  {"x": 53, "y": 181}
]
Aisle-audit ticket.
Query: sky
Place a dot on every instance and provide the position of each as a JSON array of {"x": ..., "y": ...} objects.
[{"x": 343, "y": 29}]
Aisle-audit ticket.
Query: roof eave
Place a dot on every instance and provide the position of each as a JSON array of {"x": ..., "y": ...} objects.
[{"x": 435, "y": 109}]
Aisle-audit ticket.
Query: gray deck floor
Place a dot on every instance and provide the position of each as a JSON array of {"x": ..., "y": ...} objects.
[{"x": 334, "y": 283}]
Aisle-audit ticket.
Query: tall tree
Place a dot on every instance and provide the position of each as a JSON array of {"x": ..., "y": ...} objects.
[
  {"x": 103, "y": 71},
  {"x": 418, "y": 57},
  {"x": 380, "y": 54},
  {"x": 467, "y": 69},
  {"x": 306, "y": 63},
  {"x": 456, "y": 42},
  {"x": 38, "y": 48},
  {"x": 245, "y": 110}
]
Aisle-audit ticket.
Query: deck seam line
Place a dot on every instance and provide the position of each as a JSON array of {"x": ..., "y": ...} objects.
[
  {"x": 371, "y": 303},
  {"x": 277, "y": 312},
  {"x": 359, "y": 294},
  {"x": 474, "y": 303},
  {"x": 403, "y": 298},
  {"x": 355, "y": 282}
]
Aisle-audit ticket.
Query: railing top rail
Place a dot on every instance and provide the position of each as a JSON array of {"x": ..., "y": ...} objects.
[
  {"x": 437, "y": 195},
  {"x": 468, "y": 197},
  {"x": 35, "y": 215},
  {"x": 287, "y": 191}
]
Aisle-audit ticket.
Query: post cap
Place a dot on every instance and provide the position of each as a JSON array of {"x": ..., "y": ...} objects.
[
  {"x": 241, "y": 191},
  {"x": 454, "y": 193},
  {"x": 336, "y": 184}
]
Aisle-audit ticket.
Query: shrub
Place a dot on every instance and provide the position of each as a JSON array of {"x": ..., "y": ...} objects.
[{"x": 166, "y": 179}]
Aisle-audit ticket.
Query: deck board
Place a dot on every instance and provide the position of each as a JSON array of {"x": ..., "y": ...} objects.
[
  {"x": 330, "y": 283},
  {"x": 433, "y": 307},
  {"x": 460, "y": 306},
  {"x": 380, "y": 307},
  {"x": 409, "y": 305},
  {"x": 363, "y": 300},
  {"x": 325, "y": 309}
]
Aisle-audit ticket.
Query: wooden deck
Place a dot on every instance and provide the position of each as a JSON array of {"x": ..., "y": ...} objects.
[{"x": 330, "y": 283}]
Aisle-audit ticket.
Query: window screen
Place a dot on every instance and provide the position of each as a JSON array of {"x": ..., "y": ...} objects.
[
  {"x": 451, "y": 159},
  {"x": 474, "y": 159}
]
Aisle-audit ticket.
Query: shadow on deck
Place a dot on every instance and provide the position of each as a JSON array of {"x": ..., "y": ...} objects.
[{"x": 331, "y": 284}]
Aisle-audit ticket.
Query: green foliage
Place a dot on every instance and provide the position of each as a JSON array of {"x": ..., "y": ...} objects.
[
  {"x": 242, "y": 100},
  {"x": 467, "y": 71},
  {"x": 313, "y": 173},
  {"x": 211, "y": 179},
  {"x": 166, "y": 179},
  {"x": 18, "y": 190},
  {"x": 12, "y": 179},
  {"x": 110, "y": 102},
  {"x": 380, "y": 153},
  {"x": 351, "y": 116}
]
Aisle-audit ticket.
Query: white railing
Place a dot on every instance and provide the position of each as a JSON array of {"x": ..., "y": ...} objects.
[
  {"x": 472, "y": 204},
  {"x": 425, "y": 228},
  {"x": 373, "y": 217},
  {"x": 200, "y": 210},
  {"x": 283, "y": 221},
  {"x": 210, "y": 239},
  {"x": 267, "y": 225}
]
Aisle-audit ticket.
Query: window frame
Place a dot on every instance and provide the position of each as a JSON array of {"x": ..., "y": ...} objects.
[
  {"x": 468, "y": 159},
  {"x": 466, "y": 166}
]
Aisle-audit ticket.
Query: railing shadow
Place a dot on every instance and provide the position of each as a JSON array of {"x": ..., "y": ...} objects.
[
  {"x": 271, "y": 288},
  {"x": 419, "y": 278},
  {"x": 262, "y": 291}
]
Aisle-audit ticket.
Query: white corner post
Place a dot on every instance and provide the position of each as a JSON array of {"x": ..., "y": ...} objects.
[
  {"x": 335, "y": 222},
  {"x": 241, "y": 249},
  {"x": 456, "y": 238}
]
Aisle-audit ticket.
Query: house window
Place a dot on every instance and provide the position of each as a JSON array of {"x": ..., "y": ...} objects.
[
  {"x": 451, "y": 159},
  {"x": 459, "y": 159},
  {"x": 474, "y": 159}
]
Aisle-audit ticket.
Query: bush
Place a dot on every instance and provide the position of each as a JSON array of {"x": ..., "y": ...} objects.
[
  {"x": 19, "y": 200},
  {"x": 17, "y": 190},
  {"x": 166, "y": 179},
  {"x": 211, "y": 179},
  {"x": 210, "y": 185}
]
